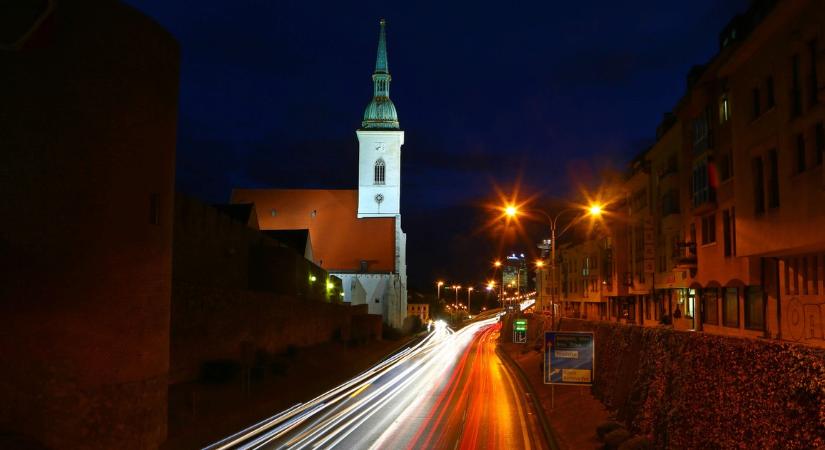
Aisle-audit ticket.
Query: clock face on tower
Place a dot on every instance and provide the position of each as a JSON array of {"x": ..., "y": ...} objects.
[
  {"x": 379, "y": 198},
  {"x": 379, "y": 147}
]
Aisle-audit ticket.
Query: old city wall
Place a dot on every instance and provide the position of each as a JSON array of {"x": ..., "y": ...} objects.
[
  {"x": 236, "y": 292},
  {"x": 213, "y": 323},
  {"x": 212, "y": 249},
  {"x": 697, "y": 390},
  {"x": 87, "y": 148}
]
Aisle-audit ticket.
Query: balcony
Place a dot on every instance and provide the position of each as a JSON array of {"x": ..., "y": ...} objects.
[{"x": 684, "y": 255}]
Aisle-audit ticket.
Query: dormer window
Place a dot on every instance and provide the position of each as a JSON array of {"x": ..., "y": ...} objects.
[{"x": 380, "y": 169}]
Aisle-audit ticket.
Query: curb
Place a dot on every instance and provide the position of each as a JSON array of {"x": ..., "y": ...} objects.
[{"x": 546, "y": 429}]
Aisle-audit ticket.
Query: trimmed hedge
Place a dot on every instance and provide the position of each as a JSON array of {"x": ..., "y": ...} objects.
[{"x": 696, "y": 390}]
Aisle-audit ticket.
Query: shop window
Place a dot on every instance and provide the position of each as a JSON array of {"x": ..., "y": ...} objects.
[
  {"x": 730, "y": 308},
  {"x": 754, "y": 308},
  {"x": 710, "y": 306}
]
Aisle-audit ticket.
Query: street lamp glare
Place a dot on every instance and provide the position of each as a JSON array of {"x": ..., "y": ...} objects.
[
  {"x": 497, "y": 263},
  {"x": 595, "y": 210},
  {"x": 440, "y": 283},
  {"x": 511, "y": 210},
  {"x": 539, "y": 263}
]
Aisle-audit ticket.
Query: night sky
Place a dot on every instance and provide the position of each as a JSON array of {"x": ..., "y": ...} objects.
[{"x": 543, "y": 95}]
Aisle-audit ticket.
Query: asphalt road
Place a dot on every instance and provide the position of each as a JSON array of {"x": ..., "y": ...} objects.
[{"x": 449, "y": 391}]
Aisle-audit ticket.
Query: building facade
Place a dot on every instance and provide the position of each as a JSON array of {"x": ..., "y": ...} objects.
[{"x": 720, "y": 228}]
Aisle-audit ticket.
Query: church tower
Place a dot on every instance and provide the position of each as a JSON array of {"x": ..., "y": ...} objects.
[{"x": 380, "y": 140}]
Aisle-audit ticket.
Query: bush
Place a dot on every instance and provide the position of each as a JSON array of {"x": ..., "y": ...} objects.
[
  {"x": 220, "y": 371},
  {"x": 615, "y": 438},
  {"x": 636, "y": 443},
  {"x": 605, "y": 428}
]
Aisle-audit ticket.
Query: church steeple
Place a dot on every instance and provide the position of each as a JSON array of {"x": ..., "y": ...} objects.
[{"x": 380, "y": 113}]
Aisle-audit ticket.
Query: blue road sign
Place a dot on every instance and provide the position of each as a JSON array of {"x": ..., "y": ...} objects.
[{"x": 568, "y": 357}]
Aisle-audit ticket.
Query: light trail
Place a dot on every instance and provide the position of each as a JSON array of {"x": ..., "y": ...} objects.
[{"x": 390, "y": 405}]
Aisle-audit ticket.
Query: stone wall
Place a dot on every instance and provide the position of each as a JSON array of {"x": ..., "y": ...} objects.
[
  {"x": 211, "y": 323},
  {"x": 212, "y": 249},
  {"x": 696, "y": 390},
  {"x": 87, "y": 146}
]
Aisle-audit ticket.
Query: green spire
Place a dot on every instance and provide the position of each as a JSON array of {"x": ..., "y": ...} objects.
[
  {"x": 381, "y": 112},
  {"x": 381, "y": 59}
]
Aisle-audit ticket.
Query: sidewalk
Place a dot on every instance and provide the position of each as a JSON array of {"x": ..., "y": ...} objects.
[{"x": 576, "y": 414}]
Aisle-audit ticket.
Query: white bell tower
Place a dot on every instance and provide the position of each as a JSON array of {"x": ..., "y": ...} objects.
[{"x": 379, "y": 140}]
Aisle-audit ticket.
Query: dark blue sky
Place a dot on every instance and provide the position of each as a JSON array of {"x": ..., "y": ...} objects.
[{"x": 487, "y": 92}]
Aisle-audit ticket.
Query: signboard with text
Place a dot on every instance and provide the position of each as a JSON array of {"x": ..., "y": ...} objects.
[
  {"x": 568, "y": 357},
  {"x": 520, "y": 331}
]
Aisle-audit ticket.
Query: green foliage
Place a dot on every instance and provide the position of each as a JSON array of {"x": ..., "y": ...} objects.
[{"x": 696, "y": 390}]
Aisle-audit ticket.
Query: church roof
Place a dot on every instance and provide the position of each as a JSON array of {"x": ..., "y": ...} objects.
[
  {"x": 381, "y": 113},
  {"x": 340, "y": 240}
]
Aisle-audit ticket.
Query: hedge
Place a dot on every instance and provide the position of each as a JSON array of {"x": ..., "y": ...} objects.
[{"x": 696, "y": 390}]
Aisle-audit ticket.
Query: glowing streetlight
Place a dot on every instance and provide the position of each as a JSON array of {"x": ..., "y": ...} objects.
[
  {"x": 539, "y": 264},
  {"x": 594, "y": 210},
  {"x": 438, "y": 285},
  {"x": 469, "y": 291}
]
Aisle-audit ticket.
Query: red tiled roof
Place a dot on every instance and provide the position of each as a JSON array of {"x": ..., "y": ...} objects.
[{"x": 340, "y": 241}]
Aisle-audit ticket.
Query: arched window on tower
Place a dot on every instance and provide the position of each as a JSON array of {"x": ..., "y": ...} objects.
[{"x": 379, "y": 171}]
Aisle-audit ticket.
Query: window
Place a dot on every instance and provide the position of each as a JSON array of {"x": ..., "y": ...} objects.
[
  {"x": 819, "y": 137},
  {"x": 796, "y": 90},
  {"x": 709, "y": 229},
  {"x": 758, "y": 186},
  {"x": 770, "y": 100},
  {"x": 702, "y": 137},
  {"x": 702, "y": 191},
  {"x": 724, "y": 109},
  {"x": 730, "y": 308},
  {"x": 710, "y": 306},
  {"x": 757, "y": 108},
  {"x": 380, "y": 168},
  {"x": 732, "y": 231},
  {"x": 727, "y": 233},
  {"x": 154, "y": 209},
  {"x": 754, "y": 308},
  {"x": 670, "y": 202},
  {"x": 800, "y": 153},
  {"x": 813, "y": 95},
  {"x": 773, "y": 180}
]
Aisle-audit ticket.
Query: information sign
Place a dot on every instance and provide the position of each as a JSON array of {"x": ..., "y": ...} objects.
[{"x": 568, "y": 357}]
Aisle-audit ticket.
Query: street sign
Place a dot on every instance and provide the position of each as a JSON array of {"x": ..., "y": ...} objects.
[
  {"x": 568, "y": 357},
  {"x": 520, "y": 331}
]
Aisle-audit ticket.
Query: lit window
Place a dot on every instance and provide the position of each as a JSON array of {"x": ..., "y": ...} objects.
[
  {"x": 380, "y": 168},
  {"x": 724, "y": 109}
]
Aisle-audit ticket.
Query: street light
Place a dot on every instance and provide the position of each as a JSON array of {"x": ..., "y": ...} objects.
[
  {"x": 438, "y": 285},
  {"x": 457, "y": 288},
  {"x": 469, "y": 291},
  {"x": 593, "y": 210}
]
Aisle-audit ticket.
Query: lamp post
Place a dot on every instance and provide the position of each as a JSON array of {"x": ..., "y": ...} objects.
[
  {"x": 455, "y": 305},
  {"x": 438, "y": 285},
  {"x": 469, "y": 291},
  {"x": 593, "y": 210}
]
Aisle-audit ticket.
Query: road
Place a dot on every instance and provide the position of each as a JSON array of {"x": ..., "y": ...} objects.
[{"x": 448, "y": 391}]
